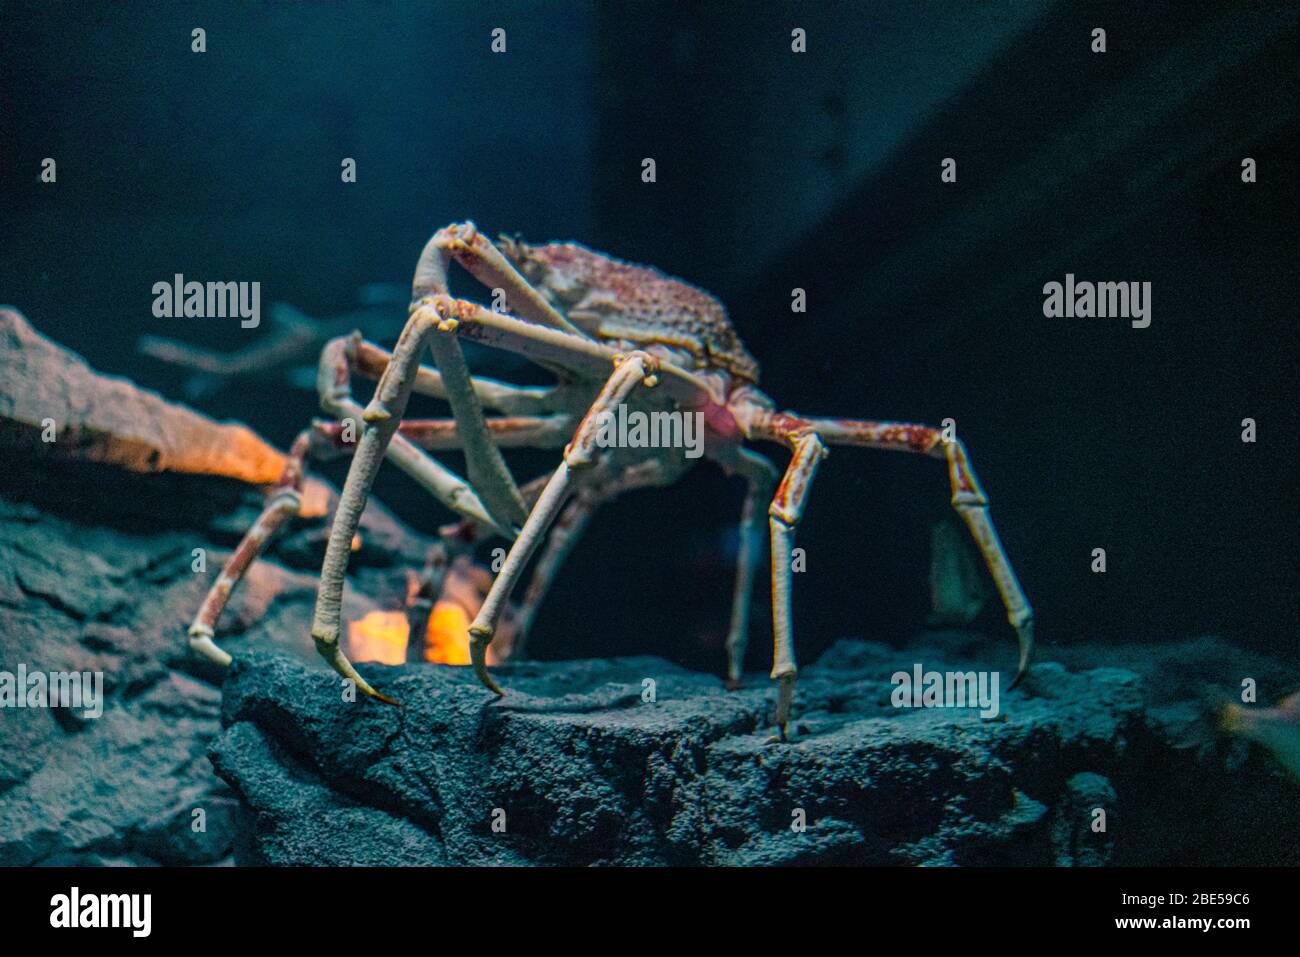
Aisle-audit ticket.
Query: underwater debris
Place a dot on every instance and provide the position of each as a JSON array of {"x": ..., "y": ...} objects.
[{"x": 288, "y": 352}]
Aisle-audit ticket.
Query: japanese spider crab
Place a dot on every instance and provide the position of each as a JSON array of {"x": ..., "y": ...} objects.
[{"x": 612, "y": 333}]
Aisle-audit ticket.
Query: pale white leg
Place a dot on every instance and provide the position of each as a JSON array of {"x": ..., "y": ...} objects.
[{"x": 633, "y": 370}]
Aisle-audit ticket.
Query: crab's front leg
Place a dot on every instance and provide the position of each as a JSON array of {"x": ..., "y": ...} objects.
[
  {"x": 381, "y": 417},
  {"x": 635, "y": 369},
  {"x": 484, "y": 464}
]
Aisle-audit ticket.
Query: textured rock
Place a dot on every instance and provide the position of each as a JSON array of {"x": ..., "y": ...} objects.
[
  {"x": 96, "y": 575},
  {"x": 586, "y": 771},
  {"x": 92, "y": 595}
]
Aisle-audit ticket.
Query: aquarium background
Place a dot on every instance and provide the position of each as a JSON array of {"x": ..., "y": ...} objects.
[{"x": 775, "y": 170}]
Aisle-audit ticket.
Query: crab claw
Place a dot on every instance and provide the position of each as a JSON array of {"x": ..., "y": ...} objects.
[
  {"x": 479, "y": 639},
  {"x": 331, "y": 652},
  {"x": 1025, "y": 635}
]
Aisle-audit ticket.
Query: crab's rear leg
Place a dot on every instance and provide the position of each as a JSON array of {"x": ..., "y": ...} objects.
[
  {"x": 283, "y": 503},
  {"x": 629, "y": 371},
  {"x": 760, "y": 477},
  {"x": 783, "y": 515},
  {"x": 968, "y": 499}
]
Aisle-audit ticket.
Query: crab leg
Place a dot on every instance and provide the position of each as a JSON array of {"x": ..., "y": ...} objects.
[
  {"x": 484, "y": 463},
  {"x": 630, "y": 371},
  {"x": 334, "y": 383},
  {"x": 582, "y": 357},
  {"x": 760, "y": 479},
  {"x": 382, "y": 419},
  {"x": 783, "y": 515},
  {"x": 968, "y": 499},
  {"x": 283, "y": 503},
  {"x": 520, "y": 431},
  {"x": 482, "y": 260},
  {"x": 371, "y": 361}
]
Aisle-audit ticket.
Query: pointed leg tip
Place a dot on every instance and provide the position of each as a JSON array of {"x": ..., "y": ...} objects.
[
  {"x": 1025, "y": 636},
  {"x": 370, "y": 691},
  {"x": 479, "y": 639},
  {"x": 329, "y": 649}
]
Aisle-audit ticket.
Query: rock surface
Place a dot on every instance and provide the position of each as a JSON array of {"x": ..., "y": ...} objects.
[
  {"x": 97, "y": 575},
  {"x": 575, "y": 766}
]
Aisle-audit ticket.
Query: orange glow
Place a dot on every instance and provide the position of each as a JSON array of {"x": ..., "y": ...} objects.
[
  {"x": 448, "y": 641},
  {"x": 381, "y": 636}
]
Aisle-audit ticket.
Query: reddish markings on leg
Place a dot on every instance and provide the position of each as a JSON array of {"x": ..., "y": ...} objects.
[{"x": 913, "y": 438}]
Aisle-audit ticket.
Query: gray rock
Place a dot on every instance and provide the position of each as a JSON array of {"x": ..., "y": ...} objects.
[
  {"x": 96, "y": 575},
  {"x": 574, "y": 766},
  {"x": 1082, "y": 821}
]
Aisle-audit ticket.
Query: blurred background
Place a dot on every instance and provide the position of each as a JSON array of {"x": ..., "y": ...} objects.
[{"x": 775, "y": 170}]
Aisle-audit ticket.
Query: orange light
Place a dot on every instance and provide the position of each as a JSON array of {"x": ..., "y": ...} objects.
[
  {"x": 448, "y": 641},
  {"x": 381, "y": 636}
]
